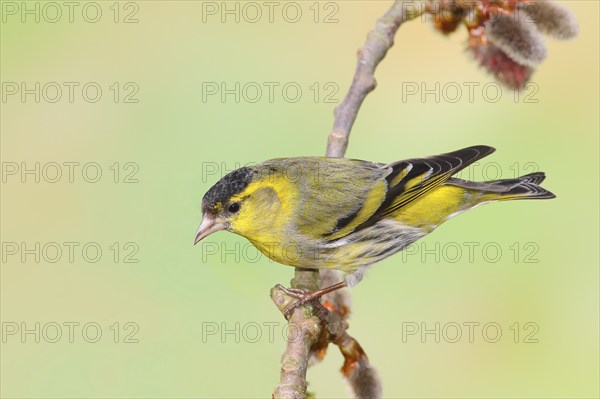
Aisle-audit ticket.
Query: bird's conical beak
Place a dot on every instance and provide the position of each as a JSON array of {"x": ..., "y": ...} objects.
[{"x": 209, "y": 225}]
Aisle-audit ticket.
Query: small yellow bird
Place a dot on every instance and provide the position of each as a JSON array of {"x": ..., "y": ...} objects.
[{"x": 346, "y": 214}]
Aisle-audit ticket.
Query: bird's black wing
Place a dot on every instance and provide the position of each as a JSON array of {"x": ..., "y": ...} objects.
[{"x": 413, "y": 178}]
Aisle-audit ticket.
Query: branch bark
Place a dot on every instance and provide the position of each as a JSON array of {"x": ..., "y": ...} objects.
[
  {"x": 304, "y": 328},
  {"x": 379, "y": 41},
  {"x": 313, "y": 326}
]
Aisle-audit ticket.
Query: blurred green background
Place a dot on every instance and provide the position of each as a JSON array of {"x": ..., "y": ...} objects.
[{"x": 197, "y": 321}]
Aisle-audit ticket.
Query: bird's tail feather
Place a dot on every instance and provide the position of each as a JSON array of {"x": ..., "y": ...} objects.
[{"x": 524, "y": 187}]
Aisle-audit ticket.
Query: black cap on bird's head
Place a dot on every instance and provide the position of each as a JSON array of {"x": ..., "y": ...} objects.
[
  {"x": 219, "y": 195},
  {"x": 229, "y": 185}
]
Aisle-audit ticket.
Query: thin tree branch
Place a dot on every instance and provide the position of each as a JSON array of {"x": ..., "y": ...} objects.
[
  {"x": 312, "y": 326},
  {"x": 303, "y": 331},
  {"x": 379, "y": 41}
]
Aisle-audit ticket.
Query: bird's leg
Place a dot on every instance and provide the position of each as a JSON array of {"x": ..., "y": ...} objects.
[
  {"x": 297, "y": 293},
  {"x": 303, "y": 296}
]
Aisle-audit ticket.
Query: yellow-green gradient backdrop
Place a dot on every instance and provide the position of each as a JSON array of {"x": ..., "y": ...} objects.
[{"x": 179, "y": 143}]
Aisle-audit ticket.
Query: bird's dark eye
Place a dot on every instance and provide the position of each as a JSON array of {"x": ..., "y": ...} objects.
[{"x": 234, "y": 207}]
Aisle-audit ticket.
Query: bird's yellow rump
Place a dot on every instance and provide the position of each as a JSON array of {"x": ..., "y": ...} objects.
[{"x": 345, "y": 214}]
